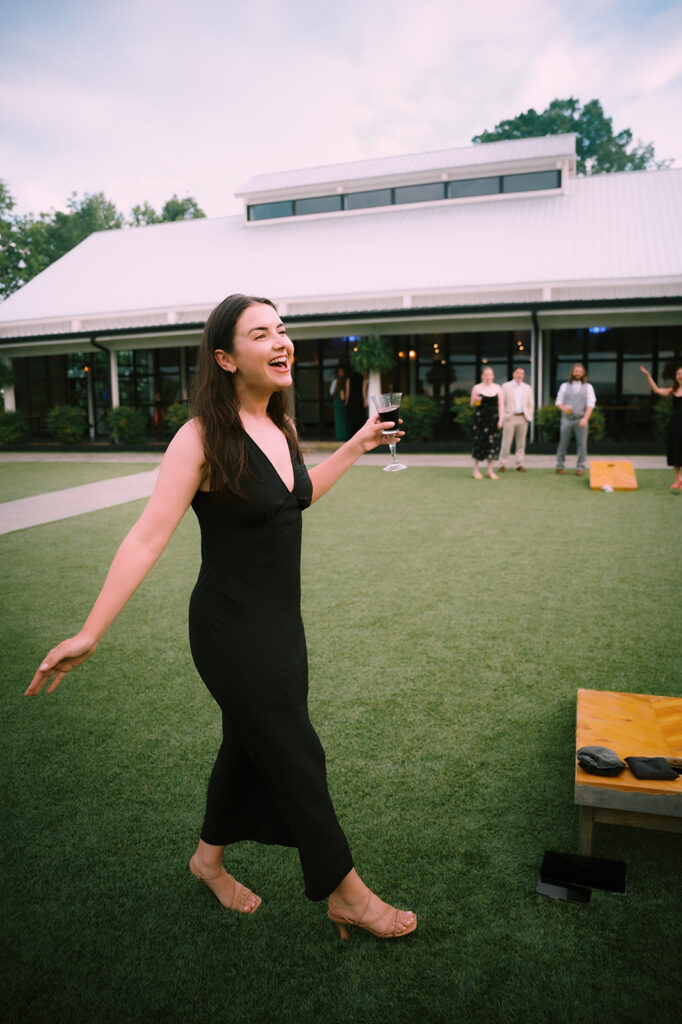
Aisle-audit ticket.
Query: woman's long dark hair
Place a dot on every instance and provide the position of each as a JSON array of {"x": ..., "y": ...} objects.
[{"x": 216, "y": 404}]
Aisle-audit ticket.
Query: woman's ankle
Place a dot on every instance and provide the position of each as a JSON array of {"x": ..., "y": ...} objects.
[
  {"x": 351, "y": 890},
  {"x": 208, "y": 857}
]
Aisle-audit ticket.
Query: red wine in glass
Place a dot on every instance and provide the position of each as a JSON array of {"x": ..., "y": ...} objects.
[
  {"x": 390, "y": 416},
  {"x": 388, "y": 406}
]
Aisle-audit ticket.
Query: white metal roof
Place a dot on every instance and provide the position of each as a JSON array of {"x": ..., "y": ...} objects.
[
  {"x": 543, "y": 151},
  {"x": 605, "y": 236}
]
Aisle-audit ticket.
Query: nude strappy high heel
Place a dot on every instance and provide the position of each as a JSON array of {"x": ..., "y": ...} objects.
[
  {"x": 383, "y": 926},
  {"x": 240, "y": 893}
]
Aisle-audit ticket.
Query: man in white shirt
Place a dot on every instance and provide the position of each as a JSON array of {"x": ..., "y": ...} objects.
[
  {"x": 576, "y": 399},
  {"x": 519, "y": 406}
]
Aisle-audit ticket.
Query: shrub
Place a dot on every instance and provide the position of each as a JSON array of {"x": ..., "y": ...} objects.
[
  {"x": 13, "y": 428},
  {"x": 127, "y": 426},
  {"x": 66, "y": 423},
  {"x": 463, "y": 414},
  {"x": 420, "y": 414},
  {"x": 177, "y": 415},
  {"x": 548, "y": 419},
  {"x": 663, "y": 410}
]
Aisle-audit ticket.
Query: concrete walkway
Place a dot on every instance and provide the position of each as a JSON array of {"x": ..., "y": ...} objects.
[{"x": 74, "y": 501}]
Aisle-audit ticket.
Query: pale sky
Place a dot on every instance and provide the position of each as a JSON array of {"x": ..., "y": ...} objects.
[{"x": 141, "y": 99}]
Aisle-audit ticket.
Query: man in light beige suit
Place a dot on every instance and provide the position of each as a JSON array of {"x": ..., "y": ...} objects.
[{"x": 519, "y": 406}]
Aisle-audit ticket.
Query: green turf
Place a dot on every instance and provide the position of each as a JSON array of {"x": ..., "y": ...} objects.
[
  {"x": 25, "y": 479},
  {"x": 449, "y": 625}
]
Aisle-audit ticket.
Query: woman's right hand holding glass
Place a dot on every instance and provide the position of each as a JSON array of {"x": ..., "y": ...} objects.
[{"x": 60, "y": 660}]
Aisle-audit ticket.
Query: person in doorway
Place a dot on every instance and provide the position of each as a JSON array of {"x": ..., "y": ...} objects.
[
  {"x": 239, "y": 465},
  {"x": 356, "y": 400},
  {"x": 338, "y": 392},
  {"x": 576, "y": 399},
  {"x": 518, "y": 405},
  {"x": 674, "y": 446},
  {"x": 486, "y": 398}
]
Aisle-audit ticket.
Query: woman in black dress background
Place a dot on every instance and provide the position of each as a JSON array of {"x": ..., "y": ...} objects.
[
  {"x": 674, "y": 447},
  {"x": 239, "y": 465},
  {"x": 486, "y": 398}
]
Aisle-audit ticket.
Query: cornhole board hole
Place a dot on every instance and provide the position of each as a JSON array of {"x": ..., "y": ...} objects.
[{"x": 619, "y": 476}]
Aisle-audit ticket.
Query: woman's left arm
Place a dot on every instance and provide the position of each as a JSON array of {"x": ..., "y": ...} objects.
[
  {"x": 325, "y": 475},
  {"x": 500, "y": 408}
]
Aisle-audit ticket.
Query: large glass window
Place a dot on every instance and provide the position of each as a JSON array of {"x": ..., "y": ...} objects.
[
  {"x": 494, "y": 349},
  {"x": 308, "y": 381},
  {"x": 462, "y": 349},
  {"x": 612, "y": 357}
]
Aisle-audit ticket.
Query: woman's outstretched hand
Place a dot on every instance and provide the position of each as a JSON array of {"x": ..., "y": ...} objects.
[
  {"x": 369, "y": 436},
  {"x": 60, "y": 660}
]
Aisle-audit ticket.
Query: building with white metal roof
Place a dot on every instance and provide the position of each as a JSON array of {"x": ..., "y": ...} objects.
[{"x": 492, "y": 252}]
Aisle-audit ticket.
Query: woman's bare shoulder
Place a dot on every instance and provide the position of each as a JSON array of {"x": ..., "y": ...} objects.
[{"x": 188, "y": 442}]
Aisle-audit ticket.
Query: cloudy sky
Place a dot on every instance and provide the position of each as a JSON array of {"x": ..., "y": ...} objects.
[{"x": 141, "y": 99}]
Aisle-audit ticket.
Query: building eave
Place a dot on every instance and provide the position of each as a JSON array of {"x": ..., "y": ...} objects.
[{"x": 447, "y": 318}]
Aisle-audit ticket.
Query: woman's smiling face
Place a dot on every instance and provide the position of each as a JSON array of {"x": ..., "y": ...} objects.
[{"x": 262, "y": 353}]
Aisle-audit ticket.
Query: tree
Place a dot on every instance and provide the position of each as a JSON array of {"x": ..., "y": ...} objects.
[
  {"x": 181, "y": 209},
  {"x": 91, "y": 213},
  {"x": 10, "y": 244},
  {"x": 598, "y": 150},
  {"x": 143, "y": 214},
  {"x": 173, "y": 209}
]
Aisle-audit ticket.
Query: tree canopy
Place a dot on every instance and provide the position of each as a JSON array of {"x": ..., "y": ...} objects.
[
  {"x": 598, "y": 150},
  {"x": 29, "y": 244},
  {"x": 172, "y": 209}
]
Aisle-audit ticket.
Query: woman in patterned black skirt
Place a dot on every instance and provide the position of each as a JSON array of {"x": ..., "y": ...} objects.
[{"x": 486, "y": 398}]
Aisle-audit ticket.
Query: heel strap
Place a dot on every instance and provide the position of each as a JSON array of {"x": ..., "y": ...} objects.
[{"x": 202, "y": 876}]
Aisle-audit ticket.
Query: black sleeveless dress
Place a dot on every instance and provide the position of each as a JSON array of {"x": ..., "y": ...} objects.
[
  {"x": 269, "y": 780},
  {"x": 674, "y": 451}
]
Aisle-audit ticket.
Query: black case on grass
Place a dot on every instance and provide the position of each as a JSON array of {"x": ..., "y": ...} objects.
[{"x": 576, "y": 869}]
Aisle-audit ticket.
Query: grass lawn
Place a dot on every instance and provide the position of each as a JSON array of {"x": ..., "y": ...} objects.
[
  {"x": 25, "y": 479},
  {"x": 450, "y": 623}
]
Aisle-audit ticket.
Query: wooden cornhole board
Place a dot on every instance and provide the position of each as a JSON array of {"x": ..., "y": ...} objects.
[
  {"x": 619, "y": 476},
  {"x": 632, "y": 724}
]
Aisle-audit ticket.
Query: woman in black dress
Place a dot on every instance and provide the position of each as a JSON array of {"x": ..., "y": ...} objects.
[
  {"x": 486, "y": 398},
  {"x": 239, "y": 465},
  {"x": 674, "y": 447}
]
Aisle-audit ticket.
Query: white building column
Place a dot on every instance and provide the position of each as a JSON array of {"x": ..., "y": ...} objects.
[
  {"x": 113, "y": 374},
  {"x": 8, "y": 390},
  {"x": 373, "y": 388}
]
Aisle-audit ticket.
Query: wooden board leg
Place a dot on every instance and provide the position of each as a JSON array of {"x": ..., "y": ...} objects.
[{"x": 585, "y": 830}]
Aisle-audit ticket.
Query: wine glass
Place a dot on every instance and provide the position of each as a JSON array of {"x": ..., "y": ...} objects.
[{"x": 387, "y": 406}]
